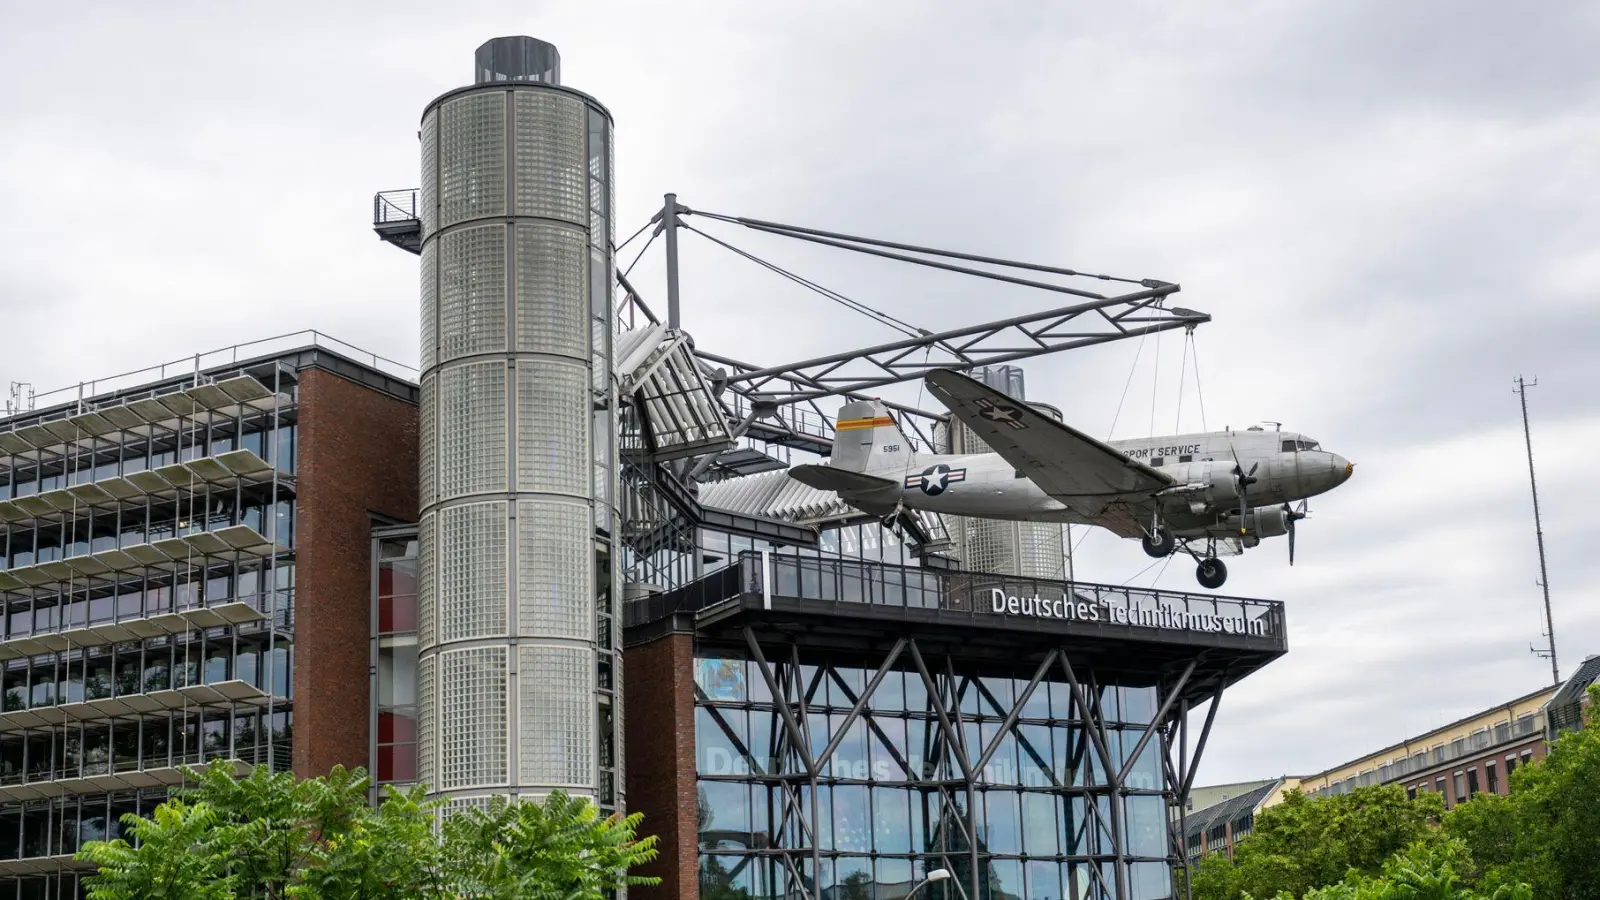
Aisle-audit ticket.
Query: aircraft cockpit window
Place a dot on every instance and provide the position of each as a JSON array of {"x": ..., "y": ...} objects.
[
  {"x": 1310, "y": 445},
  {"x": 1290, "y": 446}
]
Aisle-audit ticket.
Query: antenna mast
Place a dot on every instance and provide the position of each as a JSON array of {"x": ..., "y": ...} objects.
[{"x": 1538, "y": 531}]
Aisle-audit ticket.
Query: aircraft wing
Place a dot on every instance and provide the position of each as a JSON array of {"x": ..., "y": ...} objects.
[{"x": 1086, "y": 475}]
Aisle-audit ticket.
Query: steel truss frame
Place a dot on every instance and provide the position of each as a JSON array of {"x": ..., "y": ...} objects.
[
  {"x": 760, "y": 393},
  {"x": 952, "y": 773}
]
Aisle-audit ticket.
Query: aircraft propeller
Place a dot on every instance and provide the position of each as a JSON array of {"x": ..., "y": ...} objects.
[
  {"x": 1291, "y": 516},
  {"x": 1242, "y": 481}
]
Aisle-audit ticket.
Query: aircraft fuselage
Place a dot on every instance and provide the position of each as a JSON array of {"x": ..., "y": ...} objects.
[{"x": 1285, "y": 467}]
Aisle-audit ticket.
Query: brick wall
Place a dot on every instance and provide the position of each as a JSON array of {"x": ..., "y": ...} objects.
[
  {"x": 1428, "y": 780},
  {"x": 660, "y": 766},
  {"x": 357, "y": 454}
]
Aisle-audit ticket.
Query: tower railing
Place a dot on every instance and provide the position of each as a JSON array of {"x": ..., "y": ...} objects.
[{"x": 395, "y": 206}]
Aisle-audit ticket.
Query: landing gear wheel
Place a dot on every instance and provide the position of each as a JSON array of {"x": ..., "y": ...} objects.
[
  {"x": 1211, "y": 574},
  {"x": 1160, "y": 544}
]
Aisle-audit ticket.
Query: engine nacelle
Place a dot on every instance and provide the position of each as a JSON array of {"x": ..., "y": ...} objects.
[
  {"x": 1261, "y": 522},
  {"x": 1222, "y": 487}
]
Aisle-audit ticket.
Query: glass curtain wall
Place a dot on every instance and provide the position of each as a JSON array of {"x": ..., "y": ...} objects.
[
  {"x": 891, "y": 803},
  {"x": 395, "y": 704}
]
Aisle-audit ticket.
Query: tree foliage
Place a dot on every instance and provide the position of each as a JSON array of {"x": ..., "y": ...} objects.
[
  {"x": 1304, "y": 842},
  {"x": 1542, "y": 842},
  {"x": 275, "y": 837},
  {"x": 1547, "y": 832},
  {"x": 177, "y": 858},
  {"x": 1427, "y": 870},
  {"x": 559, "y": 850}
]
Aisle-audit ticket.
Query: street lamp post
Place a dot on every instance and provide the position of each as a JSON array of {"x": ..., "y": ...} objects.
[{"x": 937, "y": 875}]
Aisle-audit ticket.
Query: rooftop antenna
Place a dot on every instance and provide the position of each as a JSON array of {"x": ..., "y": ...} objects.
[
  {"x": 1538, "y": 531},
  {"x": 21, "y": 399}
]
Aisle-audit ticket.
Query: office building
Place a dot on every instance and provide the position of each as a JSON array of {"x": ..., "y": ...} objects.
[{"x": 185, "y": 571}]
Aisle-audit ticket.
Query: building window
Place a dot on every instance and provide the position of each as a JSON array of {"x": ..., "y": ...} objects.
[
  {"x": 1491, "y": 776},
  {"x": 1472, "y": 782},
  {"x": 1411, "y": 792},
  {"x": 1511, "y": 766},
  {"x": 1460, "y": 780},
  {"x": 876, "y": 824}
]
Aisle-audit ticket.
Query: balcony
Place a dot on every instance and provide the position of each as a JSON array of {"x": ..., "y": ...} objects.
[
  {"x": 234, "y": 544},
  {"x": 116, "y": 630},
  {"x": 106, "y": 782},
  {"x": 175, "y": 483},
  {"x": 396, "y": 219},
  {"x": 227, "y": 399}
]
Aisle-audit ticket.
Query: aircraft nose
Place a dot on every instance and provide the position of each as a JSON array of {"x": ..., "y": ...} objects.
[{"x": 1342, "y": 468}]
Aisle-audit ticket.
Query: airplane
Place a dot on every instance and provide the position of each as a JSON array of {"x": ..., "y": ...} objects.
[{"x": 1180, "y": 493}]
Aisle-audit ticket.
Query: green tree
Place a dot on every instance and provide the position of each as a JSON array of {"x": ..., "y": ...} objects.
[
  {"x": 177, "y": 858},
  {"x": 1547, "y": 832},
  {"x": 390, "y": 853},
  {"x": 1427, "y": 870},
  {"x": 561, "y": 849},
  {"x": 1306, "y": 842},
  {"x": 273, "y": 837}
]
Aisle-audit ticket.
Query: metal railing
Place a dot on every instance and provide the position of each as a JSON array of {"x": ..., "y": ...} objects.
[
  {"x": 276, "y": 604},
  {"x": 1129, "y": 610},
  {"x": 214, "y": 359},
  {"x": 390, "y": 207}
]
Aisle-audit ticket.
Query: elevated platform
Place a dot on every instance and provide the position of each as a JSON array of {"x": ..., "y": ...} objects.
[
  {"x": 830, "y": 606},
  {"x": 54, "y": 431},
  {"x": 175, "y": 483},
  {"x": 226, "y": 546}
]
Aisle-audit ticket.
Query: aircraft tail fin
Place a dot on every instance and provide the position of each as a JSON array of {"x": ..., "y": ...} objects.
[{"x": 866, "y": 439}]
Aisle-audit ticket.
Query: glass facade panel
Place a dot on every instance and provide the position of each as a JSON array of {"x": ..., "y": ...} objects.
[{"x": 889, "y": 802}]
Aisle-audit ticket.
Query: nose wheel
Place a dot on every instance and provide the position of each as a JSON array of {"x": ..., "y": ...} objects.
[
  {"x": 1211, "y": 573},
  {"x": 1159, "y": 543}
]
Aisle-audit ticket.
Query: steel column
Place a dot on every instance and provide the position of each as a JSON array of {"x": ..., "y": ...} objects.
[
  {"x": 1161, "y": 715},
  {"x": 669, "y": 224}
]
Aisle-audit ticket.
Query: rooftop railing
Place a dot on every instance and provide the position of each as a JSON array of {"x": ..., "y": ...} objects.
[
  {"x": 217, "y": 359},
  {"x": 1127, "y": 610}
]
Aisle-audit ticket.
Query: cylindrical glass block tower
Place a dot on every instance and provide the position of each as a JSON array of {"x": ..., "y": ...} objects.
[{"x": 519, "y": 675}]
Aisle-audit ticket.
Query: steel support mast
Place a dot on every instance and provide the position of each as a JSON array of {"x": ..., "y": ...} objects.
[{"x": 1538, "y": 533}]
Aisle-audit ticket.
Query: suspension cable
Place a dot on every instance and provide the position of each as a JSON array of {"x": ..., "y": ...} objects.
[
  {"x": 1155, "y": 383},
  {"x": 856, "y": 306},
  {"x": 843, "y": 241},
  {"x": 1199, "y": 392},
  {"x": 618, "y": 248},
  {"x": 629, "y": 270},
  {"x": 1183, "y": 371},
  {"x": 1131, "y": 369}
]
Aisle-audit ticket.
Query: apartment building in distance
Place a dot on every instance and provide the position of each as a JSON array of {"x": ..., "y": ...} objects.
[{"x": 1471, "y": 755}]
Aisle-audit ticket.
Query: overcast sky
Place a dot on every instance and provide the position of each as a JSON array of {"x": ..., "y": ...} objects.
[{"x": 1389, "y": 209}]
